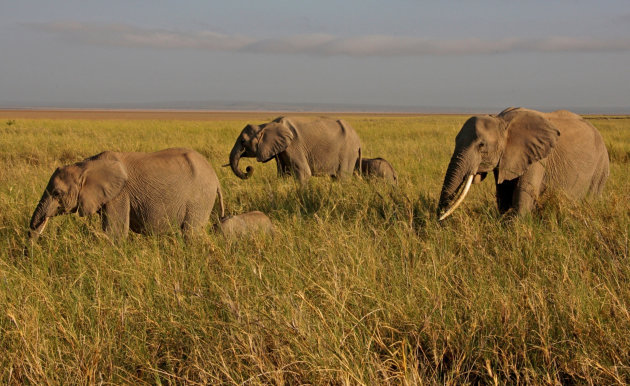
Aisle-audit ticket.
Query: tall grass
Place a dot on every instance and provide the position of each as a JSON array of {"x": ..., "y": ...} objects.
[{"x": 359, "y": 285}]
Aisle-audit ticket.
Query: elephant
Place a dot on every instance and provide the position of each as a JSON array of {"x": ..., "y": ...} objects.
[
  {"x": 380, "y": 168},
  {"x": 142, "y": 192},
  {"x": 528, "y": 152},
  {"x": 246, "y": 224},
  {"x": 301, "y": 147}
]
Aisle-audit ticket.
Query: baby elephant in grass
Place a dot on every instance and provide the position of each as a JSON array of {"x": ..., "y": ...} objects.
[
  {"x": 380, "y": 168},
  {"x": 142, "y": 192},
  {"x": 246, "y": 224}
]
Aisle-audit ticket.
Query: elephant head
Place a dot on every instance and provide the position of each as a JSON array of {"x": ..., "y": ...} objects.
[
  {"x": 506, "y": 144},
  {"x": 263, "y": 142},
  {"x": 83, "y": 187}
]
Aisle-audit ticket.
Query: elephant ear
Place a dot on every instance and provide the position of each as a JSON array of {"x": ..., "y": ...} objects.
[
  {"x": 530, "y": 138},
  {"x": 274, "y": 138},
  {"x": 102, "y": 180}
]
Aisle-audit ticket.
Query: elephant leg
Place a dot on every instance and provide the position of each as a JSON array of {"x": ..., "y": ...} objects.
[
  {"x": 346, "y": 168},
  {"x": 197, "y": 216},
  {"x": 282, "y": 167},
  {"x": 299, "y": 166},
  {"x": 505, "y": 194},
  {"x": 528, "y": 189},
  {"x": 279, "y": 166},
  {"x": 115, "y": 217},
  {"x": 303, "y": 173}
]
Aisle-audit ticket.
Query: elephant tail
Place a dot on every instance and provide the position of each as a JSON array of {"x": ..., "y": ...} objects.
[
  {"x": 358, "y": 164},
  {"x": 222, "y": 207}
]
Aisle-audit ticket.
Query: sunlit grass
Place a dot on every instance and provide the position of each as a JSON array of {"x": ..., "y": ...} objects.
[{"x": 360, "y": 284}]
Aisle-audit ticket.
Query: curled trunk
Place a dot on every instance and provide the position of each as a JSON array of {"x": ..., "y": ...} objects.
[{"x": 235, "y": 156}]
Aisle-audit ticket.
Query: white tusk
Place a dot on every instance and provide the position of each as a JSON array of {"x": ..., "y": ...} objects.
[
  {"x": 459, "y": 199},
  {"x": 41, "y": 227}
]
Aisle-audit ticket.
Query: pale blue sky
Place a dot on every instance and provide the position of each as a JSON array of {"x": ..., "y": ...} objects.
[{"x": 432, "y": 54}]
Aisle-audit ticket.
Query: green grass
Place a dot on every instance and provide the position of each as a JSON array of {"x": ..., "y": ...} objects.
[{"x": 360, "y": 284}]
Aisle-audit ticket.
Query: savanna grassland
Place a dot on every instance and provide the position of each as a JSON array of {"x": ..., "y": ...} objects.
[{"x": 359, "y": 285}]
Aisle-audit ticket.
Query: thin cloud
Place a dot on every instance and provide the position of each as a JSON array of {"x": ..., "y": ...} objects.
[{"x": 319, "y": 44}]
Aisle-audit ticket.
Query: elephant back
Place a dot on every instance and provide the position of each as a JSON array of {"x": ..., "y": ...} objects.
[
  {"x": 330, "y": 146},
  {"x": 579, "y": 162}
]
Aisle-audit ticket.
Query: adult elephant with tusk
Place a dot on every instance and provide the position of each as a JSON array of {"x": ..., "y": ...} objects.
[
  {"x": 302, "y": 147},
  {"x": 142, "y": 192},
  {"x": 528, "y": 152}
]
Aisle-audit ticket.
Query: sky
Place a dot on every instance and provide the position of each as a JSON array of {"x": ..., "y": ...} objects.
[{"x": 448, "y": 55}]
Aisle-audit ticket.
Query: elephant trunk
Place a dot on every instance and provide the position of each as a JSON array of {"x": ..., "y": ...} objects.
[
  {"x": 235, "y": 156},
  {"x": 460, "y": 198},
  {"x": 46, "y": 208},
  {"x": 459, "y": 174}
]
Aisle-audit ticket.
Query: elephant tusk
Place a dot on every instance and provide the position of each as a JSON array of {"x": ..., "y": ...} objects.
[
  {"x": 41, "y": 227},
  {"x": 37, "y": 232},
  {"x": 44, "y": 225},
  {"x": 459, "y": 200}
]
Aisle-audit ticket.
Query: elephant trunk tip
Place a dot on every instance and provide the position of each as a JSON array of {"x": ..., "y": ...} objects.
[
  {"x": 248, "y": 172},
  {"x": 33, "y": 236},
  {"x": 235, "y": 157},
  {"x": 36, "y": 229}
]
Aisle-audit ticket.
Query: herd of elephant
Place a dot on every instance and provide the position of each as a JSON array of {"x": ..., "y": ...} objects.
[{"x": 527, "y": 151}]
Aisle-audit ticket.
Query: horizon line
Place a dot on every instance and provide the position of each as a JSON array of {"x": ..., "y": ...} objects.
[{"x": 439, "y": 111}]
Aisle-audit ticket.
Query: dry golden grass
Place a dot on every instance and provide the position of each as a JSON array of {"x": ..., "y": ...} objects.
[{"x": 360, "y": 284}]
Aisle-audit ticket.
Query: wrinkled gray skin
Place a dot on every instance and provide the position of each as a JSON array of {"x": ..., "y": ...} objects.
[
  {"x": 528, "y": 152},
  {"x": 246, "y": 224},
  {"x": 142, "y": 192},
  {"x": 380, "y": 168},
  {"x": 301, "y": 147}
]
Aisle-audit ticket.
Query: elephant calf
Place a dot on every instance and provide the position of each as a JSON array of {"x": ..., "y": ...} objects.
[
  {"x": 380, "y": 168},
  {"x": 246, "y": 224},
  {"x": 142, "y": 192}
]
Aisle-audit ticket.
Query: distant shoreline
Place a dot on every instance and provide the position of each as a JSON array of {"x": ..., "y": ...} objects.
[
  {"x": 202, "y": 115},
  {"x": 180, "y": 114}
]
